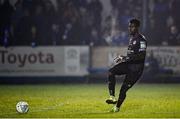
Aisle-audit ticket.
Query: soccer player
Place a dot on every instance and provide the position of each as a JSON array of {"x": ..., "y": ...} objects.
[{"x": 131, "y": 65}]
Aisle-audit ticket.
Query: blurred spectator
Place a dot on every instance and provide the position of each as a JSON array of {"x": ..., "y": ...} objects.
[
  {"x": 32, "y": 4},
  {"x": 107, "y": 37},
  {"x": 151, "y": 68},
  {"x": 61, "y": 5},
  {"x": 170, "y": 21},
  {"x": 106, "y": 26},
  {"x": 71, "y": 33},
  {"x": 161, "y": 11},
  {"x": 120, "y": 5},
  {"x": 50, "y": 22},
  {"x": 56, "y": 35},
  {"x": 39, "y": 21},
  {"x": 23, "y": 30},
  {"x": 95, "y": 8},
  {"x": 79, "y": 22},
  {"x": 123, "y": 19},
  {"x": 86, "y": 25},
  {"x": 120, "y": 38},
  {"x": 96, "y": 39},
  {"x": 18, "y": 13},
  {"x": 6, "y": 11},
  {"x": 152, "y": 33},
  {"x": 174, "y": 36},
  {"x": 151, "y": 64},
  {"x": 174, "y": 11},
  {"x": 70, "y": 25}
]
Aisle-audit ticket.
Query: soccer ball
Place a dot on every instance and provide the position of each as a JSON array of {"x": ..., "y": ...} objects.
[{"x": 22, "y": 107}]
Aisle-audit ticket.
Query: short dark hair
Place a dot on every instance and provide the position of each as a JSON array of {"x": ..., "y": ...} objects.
[{"x": 135, "y": 21}]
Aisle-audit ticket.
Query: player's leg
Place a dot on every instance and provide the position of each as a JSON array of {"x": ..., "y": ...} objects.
[
  {"x": 122, "y": 96},
  {"x": 116, "y": 70},
  {"x": 130, "y": 80},
  {"x": 111, "y": 87}
]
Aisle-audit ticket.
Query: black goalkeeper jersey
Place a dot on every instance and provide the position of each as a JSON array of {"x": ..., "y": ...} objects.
[{"x": 136, "y": 49}]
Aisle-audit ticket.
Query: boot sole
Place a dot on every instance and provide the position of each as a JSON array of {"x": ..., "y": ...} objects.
[{"x": 111, "y": 102}]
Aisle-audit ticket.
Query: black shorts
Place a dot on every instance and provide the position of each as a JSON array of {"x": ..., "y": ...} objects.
[{"x": 132, "y": 71}]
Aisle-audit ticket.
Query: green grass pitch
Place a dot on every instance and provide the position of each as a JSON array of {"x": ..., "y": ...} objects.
[{"x": 88, "y": 101}]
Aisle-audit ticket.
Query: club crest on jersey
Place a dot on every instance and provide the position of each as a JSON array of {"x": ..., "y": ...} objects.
[{"x": 134, "y": 42}]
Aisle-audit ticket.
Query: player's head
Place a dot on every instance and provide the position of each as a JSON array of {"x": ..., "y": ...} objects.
[{"x": 134, "y": 25}]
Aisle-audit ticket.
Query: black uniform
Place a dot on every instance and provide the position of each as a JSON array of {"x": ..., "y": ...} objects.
[{"x": 132, "y": 66}]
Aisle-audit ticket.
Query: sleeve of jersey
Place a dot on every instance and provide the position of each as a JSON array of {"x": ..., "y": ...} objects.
[{"x": 139, "y": 53}]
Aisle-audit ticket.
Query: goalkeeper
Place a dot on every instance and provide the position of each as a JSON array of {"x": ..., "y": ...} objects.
[{"x": 131, "y": 65}]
